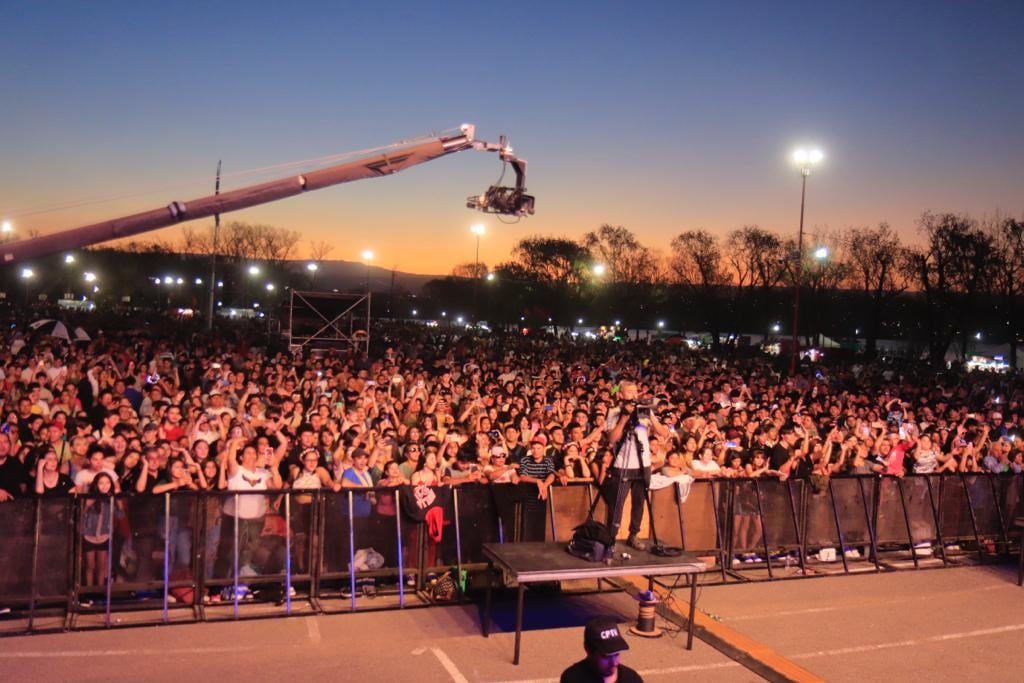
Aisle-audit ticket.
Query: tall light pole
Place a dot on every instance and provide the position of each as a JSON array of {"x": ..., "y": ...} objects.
[
  {"x": 213, "y": 258},
  {"x": 820, "y": 255},
  {"x": 477, "y": 229},
  {"x": 367, "y": 258},
  {"x": 804, "y": 158}
]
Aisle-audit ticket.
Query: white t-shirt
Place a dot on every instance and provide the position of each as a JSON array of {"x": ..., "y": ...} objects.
[
  {"x": 626, "y": 458},
  {"x": 710, "y": 467},
  {"x": 83, "y": 479},
  {"x": 249, "y": 507}
]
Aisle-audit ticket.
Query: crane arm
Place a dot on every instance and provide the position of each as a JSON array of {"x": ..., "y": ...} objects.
[{"x": 178, "y": 212}]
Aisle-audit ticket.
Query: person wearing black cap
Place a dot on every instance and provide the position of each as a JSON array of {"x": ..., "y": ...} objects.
[{"x": 603, "y": 643}]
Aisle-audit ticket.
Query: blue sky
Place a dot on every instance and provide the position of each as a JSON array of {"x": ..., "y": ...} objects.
[{"x": 658, "y": 116}]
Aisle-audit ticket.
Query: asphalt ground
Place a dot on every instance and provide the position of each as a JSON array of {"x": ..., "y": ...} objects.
[{"x": 935, "y": 625}]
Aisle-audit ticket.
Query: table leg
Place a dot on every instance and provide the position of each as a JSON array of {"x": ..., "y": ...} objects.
[
  {"x": 1020, "y": 569},
  {"x": 486, "y": 625},
  {"x": 693, "y": 611},
  {"x": 519, "y": 620}
]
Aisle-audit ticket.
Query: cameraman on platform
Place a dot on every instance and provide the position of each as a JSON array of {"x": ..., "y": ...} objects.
[{"x": 628, "y": 426}]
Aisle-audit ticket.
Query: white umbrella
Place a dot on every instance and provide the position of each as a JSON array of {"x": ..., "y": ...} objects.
[{"x": 56, "y": 328}]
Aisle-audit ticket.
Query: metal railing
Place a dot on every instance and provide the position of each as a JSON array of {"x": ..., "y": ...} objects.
[{"x": 91, "y": 558}]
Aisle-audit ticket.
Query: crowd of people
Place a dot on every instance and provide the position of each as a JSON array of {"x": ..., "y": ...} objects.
[{"x": 144, "y": 415}]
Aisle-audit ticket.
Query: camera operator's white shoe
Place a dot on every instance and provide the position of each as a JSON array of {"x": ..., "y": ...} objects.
[{"x": 635, "y": 543}]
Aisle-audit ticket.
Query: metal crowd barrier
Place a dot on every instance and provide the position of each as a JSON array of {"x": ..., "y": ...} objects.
[{"x": 129, "y": 559}]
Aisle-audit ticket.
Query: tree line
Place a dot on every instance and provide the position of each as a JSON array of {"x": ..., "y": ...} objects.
[{"x": 963, "y": 275}]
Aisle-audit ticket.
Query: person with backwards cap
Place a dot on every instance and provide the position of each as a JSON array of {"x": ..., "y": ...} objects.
[{"x": 603, "y": 644}]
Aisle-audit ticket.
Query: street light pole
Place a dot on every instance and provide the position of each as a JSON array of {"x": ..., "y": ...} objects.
[
  {"x": 804, "y": 172},
  {"x": 805, "y": 158},
  {"x": 367, "y": 257},
  {"x": 477, "y": 230},
  {"x": 213, "y": 257}
]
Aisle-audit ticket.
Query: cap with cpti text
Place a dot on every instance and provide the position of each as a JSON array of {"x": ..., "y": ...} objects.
[{"x": 601, "y": 636}]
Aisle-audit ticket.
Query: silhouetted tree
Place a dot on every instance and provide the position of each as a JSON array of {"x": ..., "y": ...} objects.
[{"x": 953, "y": 266}]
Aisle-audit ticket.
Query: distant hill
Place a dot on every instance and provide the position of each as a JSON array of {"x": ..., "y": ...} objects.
[{"x": 348, "y": 275}]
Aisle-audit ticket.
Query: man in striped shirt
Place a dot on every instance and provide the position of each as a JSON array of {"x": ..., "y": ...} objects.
[{"x": 536, "y": 470}]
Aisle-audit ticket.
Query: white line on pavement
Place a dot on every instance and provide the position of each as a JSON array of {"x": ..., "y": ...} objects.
[
  {"x": 122, "y": 653},
  {"x": 313, "y": 629},
  {"x": 905, "y": 643},
  {"x": 862, "y": 604},
  {"x": 648, "y": 672},
  {"x": 449, "y": 665}
]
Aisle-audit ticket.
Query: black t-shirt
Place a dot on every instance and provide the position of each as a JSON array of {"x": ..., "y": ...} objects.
[
  {"x": 582, "y": 672},
  {"x": 63, "y": 487},
  {"x": 13, "y": 476},
  {"x": 516, "y": 454},
  {"x": 778, "y": 456}
]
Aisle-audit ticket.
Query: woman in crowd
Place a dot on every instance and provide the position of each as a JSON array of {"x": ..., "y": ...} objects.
[{"x": 50, "y": 481}]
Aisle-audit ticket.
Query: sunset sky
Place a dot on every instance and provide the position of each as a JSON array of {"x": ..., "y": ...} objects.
[{"x": 661, "y": 117}]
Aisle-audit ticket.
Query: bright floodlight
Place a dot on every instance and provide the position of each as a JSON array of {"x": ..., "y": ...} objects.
[
  {"x": 311, "y": 267},
  {"x": 270, "y": 286},
  {"x": 977, "y": 335},
  {"x": 775, "y": 327},
  {"x": 89, "y": 277},
  {"x": 180, "y": 281},
  {"x": 6, "y": 226},
  {"x": 69, "y": 258},
  {"x": 805, "y": 157},
  {"x": 199, "y": 280},
  {"x": 617, "y": 323},
  {"x": 661, "y": 323},
  {"x": 414, "y": 312},
  {"x": 579, "y": 321},
  {"x": 27, "y": 273},
  {"x": 168, "y": 280},
  {"x": 254, "y": 270},
  {"x": 367, "y": 255},
  {"x": 821, "y": 253},
  {"x": 477, "y": 229},
  {"x": 459, "y": 320},
  {"x": 490, "y": 277},
  {"x": 599, "y": 269}
]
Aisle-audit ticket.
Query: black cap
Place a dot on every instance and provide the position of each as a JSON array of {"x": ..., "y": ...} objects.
[{"x": 601, "y": 636}]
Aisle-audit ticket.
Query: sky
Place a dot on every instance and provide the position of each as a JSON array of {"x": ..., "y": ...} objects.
[{"x": 658, "y": 116}]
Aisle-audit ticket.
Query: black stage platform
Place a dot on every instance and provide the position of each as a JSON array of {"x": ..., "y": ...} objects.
[{"x": 534, "y": 562}]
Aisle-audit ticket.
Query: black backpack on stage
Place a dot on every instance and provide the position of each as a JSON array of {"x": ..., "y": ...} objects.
[{"x": 591, "y": 541}]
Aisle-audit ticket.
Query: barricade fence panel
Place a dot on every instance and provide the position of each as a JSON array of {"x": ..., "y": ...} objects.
[
  {"x": 479, "y": 519},
  {"x": 819, "y": 519},
  {"x": 779, "y": 499},
  {"x": 854, "y": 499},
  {"x": 569, "y": 505},
  {"x": 665, "y": 505},
  {"x": 984, "y": 504},
  {"x": 891, "y": 525},
  {"x": 919, "y": 508},
  {"x": 54, "y": 550},
  {"x": 954, "y": 512},
  {"x": 107, "y": 551},
  {"x": 701, "y": 530},
  {"x": 18, "y": 522}
]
